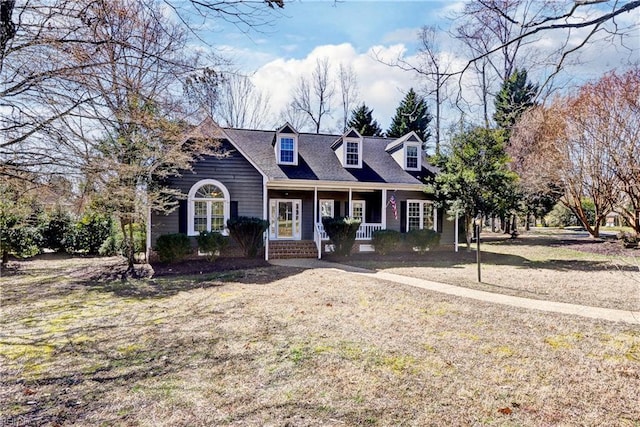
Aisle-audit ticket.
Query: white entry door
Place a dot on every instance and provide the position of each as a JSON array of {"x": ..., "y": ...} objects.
[{"x": 285, "y": 219}]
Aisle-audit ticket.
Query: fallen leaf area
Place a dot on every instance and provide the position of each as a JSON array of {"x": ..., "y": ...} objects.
[{"x": 267, "y": 345}]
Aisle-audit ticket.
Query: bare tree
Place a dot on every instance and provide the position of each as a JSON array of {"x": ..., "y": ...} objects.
[
  {"x": 514, "y": 23},
  {"x": 37, "y": 92},
  {"x": 434, "y": 68},
  {"x": 242, "y": 104},
  {"x": 296, "y": 118},
  {"x": 348, "y": 91},
  {"x": 585, "y": 144},
  {"x": 202, "y": 89},
  {"x": 134, "y": 110},
  {"x": 313, "y": 96},
  {"x": 246, "y": 15}
]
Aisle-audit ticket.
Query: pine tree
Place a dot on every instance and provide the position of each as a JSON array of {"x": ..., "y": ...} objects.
[
  {"x": 362, "y": 121},
  {"x": 515, "y": 97},
  {"x": 412, "y": 115}
]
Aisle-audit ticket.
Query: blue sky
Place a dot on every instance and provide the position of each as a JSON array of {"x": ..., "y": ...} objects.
[{"x": 352, "y": 32}]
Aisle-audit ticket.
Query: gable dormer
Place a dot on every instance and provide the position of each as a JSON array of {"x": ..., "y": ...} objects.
[
  {"x": 349, "y": 148},
  {"x": 407, "y": 151},
  {"x": 286, "y": 145}
]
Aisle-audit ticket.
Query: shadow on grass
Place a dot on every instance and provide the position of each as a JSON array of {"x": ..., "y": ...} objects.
[
  {"x": 453, "y": 260},
  {"x": 38, "y": 279}
]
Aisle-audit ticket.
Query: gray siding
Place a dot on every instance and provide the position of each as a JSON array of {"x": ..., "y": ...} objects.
[{"x": 242, "y": 180}]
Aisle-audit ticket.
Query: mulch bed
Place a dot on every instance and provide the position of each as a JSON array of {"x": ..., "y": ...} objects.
[{"x": 203, "y": 266}]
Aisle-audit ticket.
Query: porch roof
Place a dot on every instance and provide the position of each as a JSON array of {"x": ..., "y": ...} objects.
[{"x": 318, "y": 164}]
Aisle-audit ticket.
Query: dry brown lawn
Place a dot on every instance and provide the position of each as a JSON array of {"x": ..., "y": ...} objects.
[{"x": 281, "y": 346}]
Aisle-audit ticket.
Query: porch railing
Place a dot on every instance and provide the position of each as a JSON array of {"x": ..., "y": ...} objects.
[{"x": 365, "y": 232}]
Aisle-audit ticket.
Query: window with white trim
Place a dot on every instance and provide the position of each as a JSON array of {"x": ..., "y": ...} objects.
[
  {"x": 207, "y": 207},
  {"x": 411, "y": 157},
  {"x": 420, "y": 215},
  {"x": 353, "y": 153},
  {"x": 358, "y": 210},
  {"x": 287, "y": 150},
  {"x": 326, "y": 208}
]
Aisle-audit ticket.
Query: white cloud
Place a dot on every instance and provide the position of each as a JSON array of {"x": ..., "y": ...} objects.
[{"x": 380, "y": 86}]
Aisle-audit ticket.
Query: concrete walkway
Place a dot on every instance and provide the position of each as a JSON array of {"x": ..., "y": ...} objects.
[{"x": 609, "y": 314}]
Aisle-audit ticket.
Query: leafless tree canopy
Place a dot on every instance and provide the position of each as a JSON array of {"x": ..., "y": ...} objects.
[
  {"x": 588, "y": 144},
  {"x": 313, "y": 96}
]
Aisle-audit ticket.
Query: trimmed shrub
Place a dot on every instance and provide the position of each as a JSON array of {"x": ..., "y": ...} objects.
[
  {"x": 248, "y": 232},
  {"x": 173, "y": 247},
  {"x": 386, "y": 241},
  {"x": 342, "y": 233},
  {"x": 212, "y": 243},
  {"x": 423, "y": 240}
]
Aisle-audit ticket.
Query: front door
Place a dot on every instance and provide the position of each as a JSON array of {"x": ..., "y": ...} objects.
[{"x": 285, "y": 219}]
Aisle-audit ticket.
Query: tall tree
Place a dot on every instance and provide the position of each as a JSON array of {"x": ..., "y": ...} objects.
[
  {"x": 362, "y": 121},
  {"x": 476, "y": 179},
  {"x": 586, "y": 143},
  {"x": 348, "y": 91},
  {"x": 411, "y": 115},
  {"x": 435, "y": 69},
  {"x": 516, "y": 96},
  {"x": 134, "y": 109},
  {"x": 229, "y": 98},
  {"x": 313, "y": 96},
  {"x": 242, "y": 104}
]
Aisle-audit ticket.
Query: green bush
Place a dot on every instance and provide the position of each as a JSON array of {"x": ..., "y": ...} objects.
[
  {"x": 91, "y": 231},
  {"x": 57, "y": 231},
  {"x": 173, "y": 247},
  {"x": 342, "y": 233},
  {"x": 248, "y": 232},
  {"x": 17, "y": 238},
  {"x": 423, "y": 240},
  {"x": 212, "y": 243},
  {"x": 114, "y": 243},
  {"x": 386, "y": 241}
]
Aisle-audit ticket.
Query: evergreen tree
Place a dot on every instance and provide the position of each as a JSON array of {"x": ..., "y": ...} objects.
[
  {"x": 476, "y": 178},
  {"x": 362, "y": 121},
  {"x": 515, "y": 97},
  {"x": 412, "y": 115}
]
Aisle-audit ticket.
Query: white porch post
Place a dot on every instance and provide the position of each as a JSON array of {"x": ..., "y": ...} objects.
[
  {"x": 265, "y": 215},
  {"x": 384, "y": 209},
  {"x": 455, "y": 232},
  {"x": 350, "y": 203},
  {"x": 315, "y": 206}
]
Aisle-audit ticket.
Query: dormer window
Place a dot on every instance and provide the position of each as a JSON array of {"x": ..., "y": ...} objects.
[
  {"x": 286, "y": 146},
  {"x": 412, "y": 157},
  {"x": 287, "y": 150},
  {"x": 407, "y": 152},
  {"x": 353, "y": 153},
  {"x": 348, "y": 149}
]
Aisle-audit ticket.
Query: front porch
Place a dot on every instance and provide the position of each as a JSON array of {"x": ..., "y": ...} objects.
[{"x": 295, "y": 214}]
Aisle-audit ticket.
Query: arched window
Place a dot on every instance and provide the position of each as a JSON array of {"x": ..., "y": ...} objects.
[{"x": 207, "y": 207}]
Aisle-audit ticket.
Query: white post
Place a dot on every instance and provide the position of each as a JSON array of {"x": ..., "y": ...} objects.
[
  {"x": 455, "y": 232},
  {"x": 384, "y": 209},
  {"x": 350, "y": 203}
]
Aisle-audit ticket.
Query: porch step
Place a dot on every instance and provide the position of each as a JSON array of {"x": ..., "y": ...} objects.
[{"x": 292, "y": 249}]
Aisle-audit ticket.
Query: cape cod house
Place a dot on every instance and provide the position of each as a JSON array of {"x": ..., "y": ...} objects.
[{"x": 294, "y": 179}]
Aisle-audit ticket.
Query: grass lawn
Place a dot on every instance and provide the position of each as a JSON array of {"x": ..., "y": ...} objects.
[{"x": 283, "y": 346}]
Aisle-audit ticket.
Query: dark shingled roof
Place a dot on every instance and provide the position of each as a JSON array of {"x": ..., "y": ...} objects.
[{"x": 318, "y": 162}]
